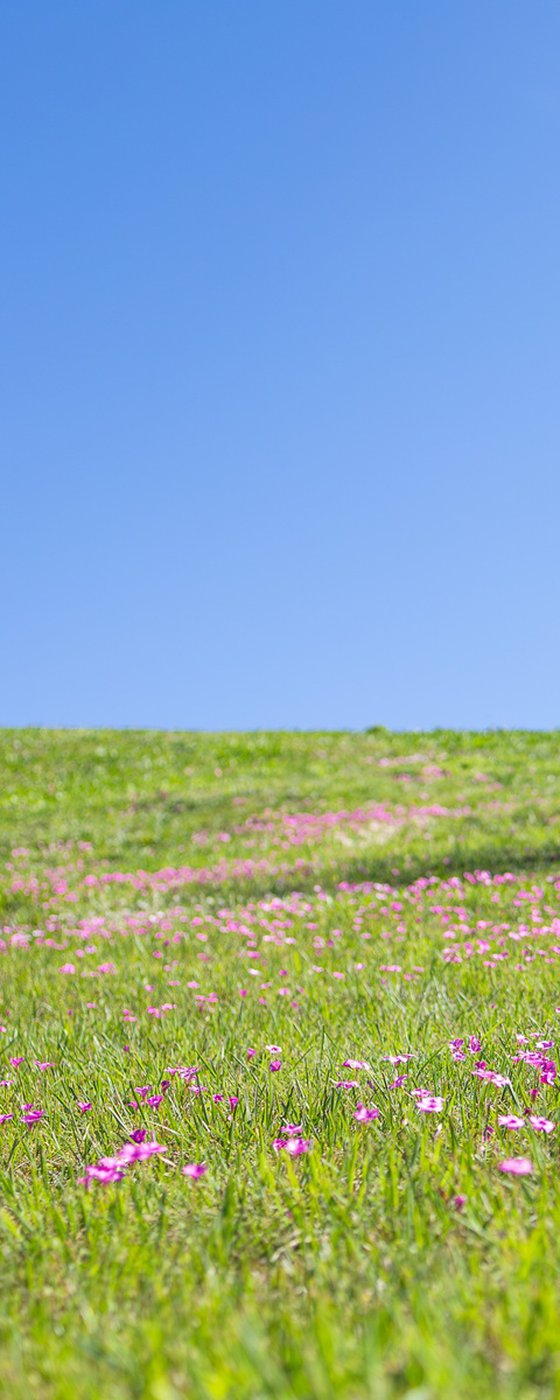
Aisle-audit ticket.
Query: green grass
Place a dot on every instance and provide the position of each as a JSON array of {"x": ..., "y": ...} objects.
[{"x": 347, "y": 1270}]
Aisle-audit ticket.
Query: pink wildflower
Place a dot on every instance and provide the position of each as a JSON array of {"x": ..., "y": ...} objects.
[
  {"x": 541, "y": 1125},
  {"x": 490, "y": 1075},
  {"x": 109, "y": 1169},
  {"x": 101, "y": 1173},
  {"x": 296, "y": 1145},
  {"x": 366, "y": 1115},
  {"x": 516, "y": 1166},
  {"x": 194, "y": 1170},
  {"x": 139, "y": 1151},
  {"x": 511, "y": 1120},
  {"x": 429, "y": 1103}
]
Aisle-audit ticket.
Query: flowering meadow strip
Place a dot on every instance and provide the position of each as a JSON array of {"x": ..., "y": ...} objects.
[{"x": 293, "y": 1103}]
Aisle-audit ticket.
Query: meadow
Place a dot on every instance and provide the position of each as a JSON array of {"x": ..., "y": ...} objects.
[{"x": 279, "y": 1095}]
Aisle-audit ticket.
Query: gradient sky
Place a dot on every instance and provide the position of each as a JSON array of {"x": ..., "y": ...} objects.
[{"x": 280, "y": 363}]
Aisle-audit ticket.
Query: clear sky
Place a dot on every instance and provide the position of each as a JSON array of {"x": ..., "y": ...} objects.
[{"x": 280, "y": 363}]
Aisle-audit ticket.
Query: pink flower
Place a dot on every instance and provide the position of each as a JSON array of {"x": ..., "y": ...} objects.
[
  {"x": 459, "y": 1202},
  {"x": 113, "y": 1168},
  {"x": 516, "y": 1166},
  {"x": 17, "y": 1060},
  {"x": 5, "y": 1117},
  {"x": 541, "y": 1125},
  {"x": 139, "y": 1151},
  {"x": 194, "y": 1170},
  {"x": 109, "y": 1164},
  {"x": 490, "y": 1076},
  {"x": 355, "y": 1064},
  {"x": 296, "y": 1145},
  {"x": 429, "y": 1103},
  {"x": 274, "y": 1066},
  {"x": 511, "y": 1120},
  {"x": 101, "y": 1173},
  {"x": 32, "y": 1115},
  {"x": 366, "y": 1115},
  {"x": 84, "y": 1107}
]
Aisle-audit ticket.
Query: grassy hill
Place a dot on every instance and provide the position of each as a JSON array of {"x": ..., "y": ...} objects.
[{"x": 317, "y": 970}]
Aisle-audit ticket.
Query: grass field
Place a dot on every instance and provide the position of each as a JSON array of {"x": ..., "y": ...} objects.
[{"x": 320, "y": 971}]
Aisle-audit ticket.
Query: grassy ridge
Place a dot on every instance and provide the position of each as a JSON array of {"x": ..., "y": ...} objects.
[{"x": 179, "y": 901}]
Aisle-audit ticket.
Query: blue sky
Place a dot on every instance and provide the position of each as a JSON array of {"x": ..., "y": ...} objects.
[{"x": 280, "y": 363}]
